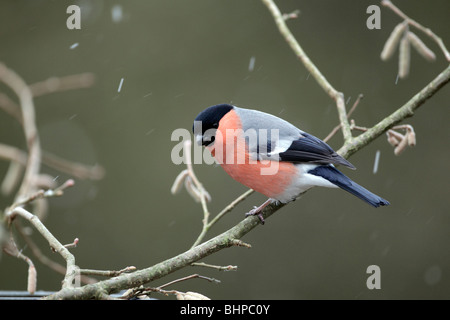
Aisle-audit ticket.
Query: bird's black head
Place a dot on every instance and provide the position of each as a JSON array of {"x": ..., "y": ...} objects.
[{"x": 207, "y": 122}]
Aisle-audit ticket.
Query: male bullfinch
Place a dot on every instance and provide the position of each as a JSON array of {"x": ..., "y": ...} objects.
[{"x": 272, "y": 156}]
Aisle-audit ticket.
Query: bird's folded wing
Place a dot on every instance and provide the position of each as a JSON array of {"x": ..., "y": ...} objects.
[{"x": 309, "y": 149}]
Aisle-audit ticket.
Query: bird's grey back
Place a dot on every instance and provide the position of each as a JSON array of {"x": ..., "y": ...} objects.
[
  {"x": 254, "y": 119},
  {"x": 273, "y": 134}
]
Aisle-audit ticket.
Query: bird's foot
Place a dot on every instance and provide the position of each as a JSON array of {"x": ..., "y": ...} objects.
[{"x": 256, "y": 211}]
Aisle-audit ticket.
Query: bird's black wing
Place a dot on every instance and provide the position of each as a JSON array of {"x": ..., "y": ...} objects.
[{"x": 311, "y": 149}]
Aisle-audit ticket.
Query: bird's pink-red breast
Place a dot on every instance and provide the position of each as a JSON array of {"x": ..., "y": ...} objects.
[{"x": 229, "y": 139}]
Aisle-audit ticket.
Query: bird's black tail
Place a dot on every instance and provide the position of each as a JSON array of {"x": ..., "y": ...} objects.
[{"x": 336, "y": 177}]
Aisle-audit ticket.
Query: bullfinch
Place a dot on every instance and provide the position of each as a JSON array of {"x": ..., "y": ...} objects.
[{"x": 272, "y": 156}]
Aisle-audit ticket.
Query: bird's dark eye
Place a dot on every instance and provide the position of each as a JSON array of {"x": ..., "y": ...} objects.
[{"x": 209, "y": 141}]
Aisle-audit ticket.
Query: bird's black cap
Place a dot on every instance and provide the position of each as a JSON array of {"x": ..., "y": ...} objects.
[{"x": 211, "y": 116}]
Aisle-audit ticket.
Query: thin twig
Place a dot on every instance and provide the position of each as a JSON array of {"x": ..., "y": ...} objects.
[
  {"x": 72, "y": 269},
  {"x": 11, "y": 249},
  {"x": 198, "y": 185},
  {"x": 192, "y": 276},
  {"x": 42, "y": 258},
  {"x": 42, "y": 194},
  {"x": 337, "y": 96},
  {"x": 212, "y": 266},
  {"x": 57, "y": 84},
  {"x": 81, "y": 171},
  {"x": 12, "y": 178},
  {"x": 353, "y": 126},
  {"x": 51, "y": 85},
  {"x": 107, "y": 273},
  {"x": 352, "y": 109},
  {"x": 231, "y": 206},
  {"x": 73, "y": 244},
  {"x": 228, "y": 208},
  {"x": 17, "y": 209},
  {"x": 77, "y": 170},
  {"x": 10, "y": 107},
  {"x": 145, "y": 291},
  {"x": 21, "y": 89}
]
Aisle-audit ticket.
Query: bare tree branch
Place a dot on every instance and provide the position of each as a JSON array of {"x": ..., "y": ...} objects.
[
  {"x": 140, "y": 277},
  {"x": 72, "y": 269},
  {"x": 20, "y": 88},
  {"x": 30, "y": 163}
]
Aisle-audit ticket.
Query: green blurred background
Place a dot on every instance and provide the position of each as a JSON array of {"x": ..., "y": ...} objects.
[{"x": 178, "y": 57}]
